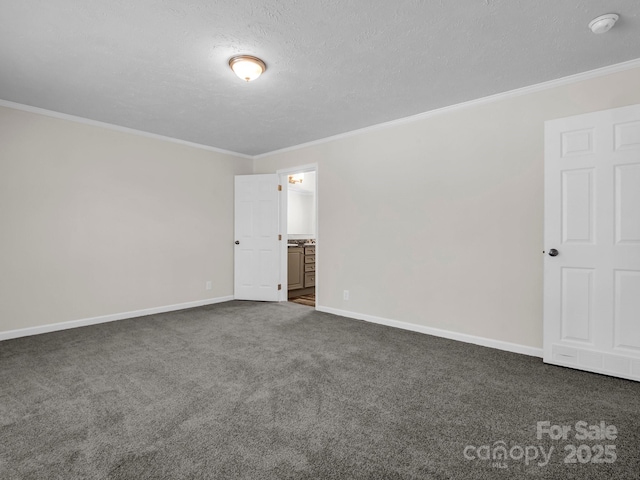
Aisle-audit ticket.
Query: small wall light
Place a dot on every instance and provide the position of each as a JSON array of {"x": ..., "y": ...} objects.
[
  {"x": 297, "y": 178},
  {"x": 247, "y": 67}
]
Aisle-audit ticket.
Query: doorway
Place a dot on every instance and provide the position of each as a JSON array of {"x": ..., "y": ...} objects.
[{"x": 299, "y": 222}]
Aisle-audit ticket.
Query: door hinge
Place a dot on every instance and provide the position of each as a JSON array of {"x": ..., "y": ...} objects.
[
  {"x": 279, "y": 286},
  {"x": 279, "y": 237},
  {"x": 279, "y": 188}
]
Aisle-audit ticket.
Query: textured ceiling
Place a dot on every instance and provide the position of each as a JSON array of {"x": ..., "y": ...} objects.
[{"x": 334, "y": 66}]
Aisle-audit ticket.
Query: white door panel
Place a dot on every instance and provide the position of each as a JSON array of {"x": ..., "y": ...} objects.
[
  {"x": 627, "y": 195},
  {"x": 592, "y": 217},
  {"x": 257, "y": 254},
  {"x": 627, "y": 136},
  {"x": 627, "y": 310},
  {"x": 578, "y": 216},
  {"x": 577, "y": 304}
]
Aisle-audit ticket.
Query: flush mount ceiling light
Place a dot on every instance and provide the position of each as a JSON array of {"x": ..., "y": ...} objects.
[
  {"x": 247, "y": 67},
  {"x": 603, "y": 23}
]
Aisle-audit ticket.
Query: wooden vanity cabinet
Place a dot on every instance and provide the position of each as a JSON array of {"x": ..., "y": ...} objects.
[
  {"x": 295, "y": 268},
  {"x": 309, "y": 266},
  {"x": 301, "y": 269}
]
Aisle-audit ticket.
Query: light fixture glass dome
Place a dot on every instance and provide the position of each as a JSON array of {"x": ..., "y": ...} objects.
[{"x": 246, "y": 67}]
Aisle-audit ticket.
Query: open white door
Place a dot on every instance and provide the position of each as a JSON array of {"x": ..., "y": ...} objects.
[
  {"x": 257, "y": 249},
  {"x": 592, "y": 242}
]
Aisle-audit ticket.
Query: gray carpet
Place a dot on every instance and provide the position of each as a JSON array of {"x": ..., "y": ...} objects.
[{"x": 245, "y": 390}]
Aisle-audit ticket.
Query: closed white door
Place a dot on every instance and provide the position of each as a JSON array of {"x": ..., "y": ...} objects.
[
  {"x": 257, "y": 253},
  {"x": 592, "y": 242}
]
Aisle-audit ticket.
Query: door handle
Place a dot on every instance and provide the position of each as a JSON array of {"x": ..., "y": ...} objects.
[
  {"x": 237, "y": 242},
  {"x": 553, "y": 252}
]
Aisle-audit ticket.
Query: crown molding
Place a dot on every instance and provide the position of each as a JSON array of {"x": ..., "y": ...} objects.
[
  {"x": 118, "y": 128},
  {"x": 579, "y": 77},
  {"x": 599, "y": 72}
]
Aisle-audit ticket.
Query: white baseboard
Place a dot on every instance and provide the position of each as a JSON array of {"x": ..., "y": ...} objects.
[
  {"x": 54, "y": 327},
  {"x": 437, "y": 332}
]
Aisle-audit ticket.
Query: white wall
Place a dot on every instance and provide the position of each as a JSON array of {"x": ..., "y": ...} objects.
[
  {"x": 96, "y": 222},
  {"x": 301, "y": 212},
  {"x": 436, "y": 222},
  {"x": 439, "y": 222}
]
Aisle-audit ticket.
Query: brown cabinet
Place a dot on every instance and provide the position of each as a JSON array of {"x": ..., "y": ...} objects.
[
  {"x": 309, "y": 267},
  {"x": 310, "y": 279},
  {"x": 301, "y": 268},
  {"x": 295, "y": 271}
]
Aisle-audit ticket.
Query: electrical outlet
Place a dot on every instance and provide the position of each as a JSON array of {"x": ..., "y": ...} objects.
[
  {"x": 345, "y": 295},
  {"x": 208, "y": 285}
]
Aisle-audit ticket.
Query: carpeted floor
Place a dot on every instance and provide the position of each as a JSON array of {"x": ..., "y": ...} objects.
[{"x": 247, "y": 390}]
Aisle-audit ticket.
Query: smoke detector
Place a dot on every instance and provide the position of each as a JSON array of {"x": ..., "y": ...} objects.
[{"x": 603, "y": 23}]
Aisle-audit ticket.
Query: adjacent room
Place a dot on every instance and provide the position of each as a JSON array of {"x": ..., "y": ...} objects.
[
  {"x": 306, "y": 240},
  {"x": 301, "y": 234}
]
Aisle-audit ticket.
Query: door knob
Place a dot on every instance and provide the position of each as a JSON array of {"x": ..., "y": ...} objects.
[
  {"x": 553, "y": 252},
  {"x": 238, "y": 243}
]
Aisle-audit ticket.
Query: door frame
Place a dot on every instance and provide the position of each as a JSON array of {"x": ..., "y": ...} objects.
[{"x": 283, "y": 175}]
